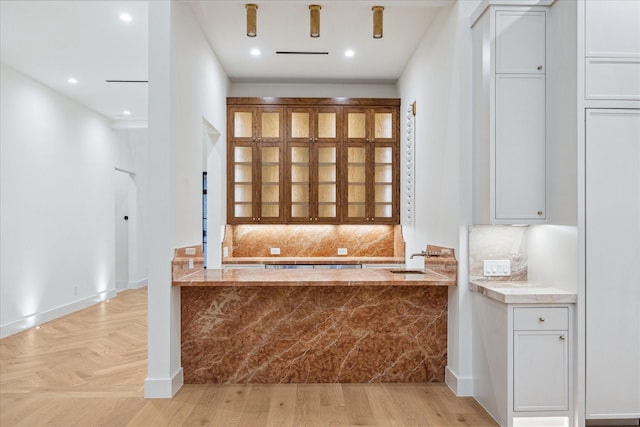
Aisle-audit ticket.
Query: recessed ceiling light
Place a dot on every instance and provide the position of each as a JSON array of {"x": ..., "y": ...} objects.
[
  {"x": 125, "y": 17},
  {"x": 349, "y": 53},
  {"x": 126, "y": 112},
  {"x": 117, "y": 117},
  {"x": 72, "y": 80},
  {"x": 255, "y": 52}
]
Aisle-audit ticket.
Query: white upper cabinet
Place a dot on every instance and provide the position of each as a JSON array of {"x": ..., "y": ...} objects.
[
  {"x": 612, "y": 50},
  {"x": 520, "y": 170},
  {"x": 510, "y": 116},
  {"x": 520, "y": 42},
  {"x": 613, "y": 28}
]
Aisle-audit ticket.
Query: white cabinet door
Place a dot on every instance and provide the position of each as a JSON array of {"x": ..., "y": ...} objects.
[
  {"x": 520, "y": 174},
  {"x": 540, "y": 371},
  {"x": 612, "y": 213},
  {"x": 613, "y": 28},
  {"x": 520, "y": 42}
]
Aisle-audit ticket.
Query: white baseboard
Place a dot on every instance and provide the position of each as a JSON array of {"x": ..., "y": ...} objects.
[
  {"x": 54, "y": 313},
  {"x": 161, "y": 388},
  {"x": 460, "y": 386},
  {"x": 137, "y": 284}
]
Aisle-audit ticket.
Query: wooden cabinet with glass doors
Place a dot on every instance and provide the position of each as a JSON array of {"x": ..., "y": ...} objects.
[
  {"x": 313, "y": 160},
  {"x": 371, "y": 163},
  {"x": 255, "y": 165},
  {"x": 313, "y": 144}
]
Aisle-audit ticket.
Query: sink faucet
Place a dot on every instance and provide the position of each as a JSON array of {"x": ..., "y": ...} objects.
[{"x": 423, "y": 253}]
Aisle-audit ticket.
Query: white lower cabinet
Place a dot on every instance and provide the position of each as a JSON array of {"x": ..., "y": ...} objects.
[
  {"x": 540, "y": 371},
  {"x": 522, "y": 368}
]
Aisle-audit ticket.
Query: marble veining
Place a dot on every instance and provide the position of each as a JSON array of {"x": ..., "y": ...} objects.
[
  {"x": 498, "y": 242},
  {"x": 320, "y": 240},
  {"x": 314, "y": 334}
]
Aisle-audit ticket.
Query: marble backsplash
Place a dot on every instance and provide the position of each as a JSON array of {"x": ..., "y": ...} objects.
[
  {"x": 315, "y": 240},
  {"x": 314, "y": 334},
  {"x": 187, "y": 260},
  {"x": 496, "y": 242}
]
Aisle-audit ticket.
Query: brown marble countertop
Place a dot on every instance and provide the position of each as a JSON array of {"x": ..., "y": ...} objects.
[
  {"x": 313, "y": 260},
  {"x": 312, "y": 277},
  {"x": 515, "y": 292}
]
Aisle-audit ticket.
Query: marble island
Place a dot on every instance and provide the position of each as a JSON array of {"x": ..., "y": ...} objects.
[{"x": 272, "y": 326}]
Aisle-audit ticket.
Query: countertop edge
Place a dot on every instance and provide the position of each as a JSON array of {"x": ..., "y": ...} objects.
[
  {"x": 311, "y": 278},
  {"x": 536, "y": 293}
]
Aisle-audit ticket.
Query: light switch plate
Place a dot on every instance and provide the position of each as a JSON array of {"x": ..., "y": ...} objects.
[
  {"x": 274, "y": 251},
  {"x": 342, "y": 251},
  {"x": 190, "y": 264},
  {"x": 496, "y": 267}
]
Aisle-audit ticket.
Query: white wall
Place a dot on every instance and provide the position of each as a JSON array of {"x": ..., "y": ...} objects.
[
  {"x": 57, "y": 204},
  {"x": 131, "y": 156},
  {"x": 438, "y": 79},
  {"x": 553, "y": 256},
  {"x": 187, "y": 87},
  {"x": 293, "y": 90}
]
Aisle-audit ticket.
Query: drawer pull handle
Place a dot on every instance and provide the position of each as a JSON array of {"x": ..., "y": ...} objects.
[
  {"x": 562, "y": 338},
  {"x": 541, "y": 319}
]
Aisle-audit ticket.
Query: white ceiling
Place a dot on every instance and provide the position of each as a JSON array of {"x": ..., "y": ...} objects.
[
  {"x": 284, "y": 26},
  {"x": 52, "y": 41}
]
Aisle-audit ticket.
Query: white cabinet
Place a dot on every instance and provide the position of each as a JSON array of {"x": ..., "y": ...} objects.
[
  {"x": 541, "y": 359},
  {"x": 510, "y": 115},
  {"x": 520, "y": 42},
  {"x": 612, "y": 284},
  {"x": 612, "y": 50},
  {"x": 522, "y": 359},
  {"x": 520, "y": 147}
]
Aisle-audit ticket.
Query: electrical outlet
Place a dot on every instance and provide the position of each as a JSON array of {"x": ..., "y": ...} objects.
[
  {"x": 225, "y": 251},
  {"x": 342, "y": 251},
  {"x": 75, "y": 291},
  {"x": 496, "y": 267},
  {"x": 275, "y": 251}
]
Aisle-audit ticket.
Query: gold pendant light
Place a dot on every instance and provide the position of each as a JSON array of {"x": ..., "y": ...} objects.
[
  {"x": 251, "y": 19},
  {"x": 377, "y": 21},
  {"x": 314, "y": 20}
]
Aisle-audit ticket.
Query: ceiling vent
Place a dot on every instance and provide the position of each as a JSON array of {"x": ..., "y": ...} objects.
[{"x": 294, "y": 52}]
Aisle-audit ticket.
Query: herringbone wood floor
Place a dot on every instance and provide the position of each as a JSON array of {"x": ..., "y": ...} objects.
[{"x": 88, "y": 369}]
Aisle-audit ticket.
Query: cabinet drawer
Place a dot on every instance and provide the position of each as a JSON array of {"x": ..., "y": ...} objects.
[{"x": 541, "y": 318}]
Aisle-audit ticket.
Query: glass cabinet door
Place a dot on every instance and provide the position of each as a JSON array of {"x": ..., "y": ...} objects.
[
  {"x": 327, "y": 123},
  {"x": 383, "y": 182},
  {"x": 356, "y": 182},
  {"x": 242, "y": 182},
  {"x": 269, "y": 182},
  {"x": 356, "y": 124},
  {"x": 271, "y": 123},
  {"x": 300, "y": 182},
  {"x": 327, "y": 184},
  {"x": 242, "y": 125}
]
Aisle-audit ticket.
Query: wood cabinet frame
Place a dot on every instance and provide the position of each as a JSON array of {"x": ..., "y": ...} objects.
[{"x": 313, "y": 106}]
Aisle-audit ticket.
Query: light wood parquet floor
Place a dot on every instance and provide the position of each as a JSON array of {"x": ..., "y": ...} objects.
[{"x": 88, "y": 369}]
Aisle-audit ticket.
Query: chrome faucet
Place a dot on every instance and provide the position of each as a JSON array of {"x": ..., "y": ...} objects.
[{"x": 423, "y": 253}]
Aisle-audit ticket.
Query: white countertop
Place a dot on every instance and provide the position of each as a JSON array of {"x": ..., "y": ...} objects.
[{"x": 522, "y": 292}]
